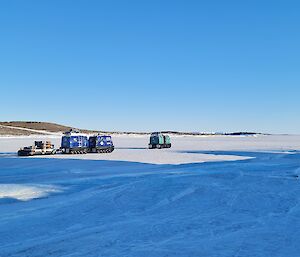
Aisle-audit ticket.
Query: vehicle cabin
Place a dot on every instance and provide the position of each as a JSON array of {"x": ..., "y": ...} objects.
[
  {"x": 101, "y": 144},
  {"x": 74, "y": 143},
  {"x": 159, "y": 140}
]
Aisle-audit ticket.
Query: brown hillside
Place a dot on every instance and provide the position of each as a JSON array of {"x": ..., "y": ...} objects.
[
  {"x": 15, "y": 132},
  {"x": 42, "y": 126},
  {"x": 46, "y": 126}
]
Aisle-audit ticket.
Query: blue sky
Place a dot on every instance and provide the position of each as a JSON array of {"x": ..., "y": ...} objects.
[{"x": 152, "y": 65}]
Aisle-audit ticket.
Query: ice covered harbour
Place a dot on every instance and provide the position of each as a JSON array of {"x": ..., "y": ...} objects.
[{"x": 209, "y": 196}]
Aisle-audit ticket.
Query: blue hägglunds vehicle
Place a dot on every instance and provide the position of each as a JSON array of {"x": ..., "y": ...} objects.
[
  {"x": 101, "y": 144},
  {"x": 74, "y": 143}
]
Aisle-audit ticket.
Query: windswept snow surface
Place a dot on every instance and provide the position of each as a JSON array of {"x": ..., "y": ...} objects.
[{"x": 240, "y": 197}]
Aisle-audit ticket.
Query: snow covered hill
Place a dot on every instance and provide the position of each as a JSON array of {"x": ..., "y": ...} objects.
[{"x": 139, "y": 202}]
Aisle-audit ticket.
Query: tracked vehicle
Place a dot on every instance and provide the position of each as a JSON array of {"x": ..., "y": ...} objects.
[
  {"x": 74, "y": 143},
  {"x": 159, "y": 140},
  {"x": 100, "y": 144},
  {"x": 39, "y": 148}
]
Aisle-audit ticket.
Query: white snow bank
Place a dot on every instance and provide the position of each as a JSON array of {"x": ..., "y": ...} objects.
[
  {"x": 184, "y": 149},
  {"x": 26, "y": 192},
  {"x": 151, "y": 156}
]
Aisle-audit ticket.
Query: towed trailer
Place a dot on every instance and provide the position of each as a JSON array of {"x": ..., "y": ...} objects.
[{"x": 39, "y": 148}]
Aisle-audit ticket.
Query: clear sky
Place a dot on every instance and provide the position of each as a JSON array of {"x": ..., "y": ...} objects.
[{"x": 152, "y": 65}]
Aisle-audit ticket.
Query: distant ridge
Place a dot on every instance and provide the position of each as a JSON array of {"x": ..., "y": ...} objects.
[
  {"x": 212, "y": 133},
  {"x": 35, "y": 128},
  {"x": 25, "y": 128}
]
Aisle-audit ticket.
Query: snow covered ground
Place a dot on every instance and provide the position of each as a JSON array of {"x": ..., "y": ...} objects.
[{"x": 207, "y": 196}]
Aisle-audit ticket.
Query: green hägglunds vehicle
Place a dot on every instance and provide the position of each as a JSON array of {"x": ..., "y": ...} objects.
[{"x": 159, "y": 140}]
